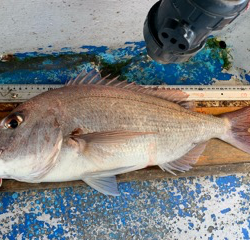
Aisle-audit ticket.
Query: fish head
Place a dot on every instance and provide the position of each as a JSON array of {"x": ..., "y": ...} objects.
[{"x": 30, "y": 142}]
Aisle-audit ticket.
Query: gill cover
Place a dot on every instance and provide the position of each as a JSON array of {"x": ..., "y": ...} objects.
[
  {"x": 31, "y": 149},
  {"x": 48, "y": 141}
]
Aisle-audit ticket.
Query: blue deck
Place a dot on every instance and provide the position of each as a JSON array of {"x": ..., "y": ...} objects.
[
  {"x": 131, "y": 62},
  {"x": 205, "y": 208}
]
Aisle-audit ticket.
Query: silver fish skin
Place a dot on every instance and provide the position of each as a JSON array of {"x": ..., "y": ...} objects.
[{"x": 94, "y": 131}]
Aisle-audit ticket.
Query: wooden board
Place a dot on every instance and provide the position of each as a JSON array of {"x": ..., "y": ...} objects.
[{"x": 218, "y": 158}]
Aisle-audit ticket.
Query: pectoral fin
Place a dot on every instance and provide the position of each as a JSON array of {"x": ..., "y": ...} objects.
[
  {"x": 109, "y": 137},
  {"x": 105, "y": 185},
  {"x": 99, "y": 145}
]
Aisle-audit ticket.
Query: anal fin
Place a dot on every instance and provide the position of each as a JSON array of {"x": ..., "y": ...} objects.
[{"x": 184, "y": 163}]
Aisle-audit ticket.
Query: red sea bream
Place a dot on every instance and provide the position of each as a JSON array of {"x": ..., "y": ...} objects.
[{"x": 94, "y": 129}]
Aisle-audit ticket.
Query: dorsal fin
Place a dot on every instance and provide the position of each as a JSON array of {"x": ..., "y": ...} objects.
[
  {"x": 94, "y": 77},
  {"x": 86, "y": 78}
]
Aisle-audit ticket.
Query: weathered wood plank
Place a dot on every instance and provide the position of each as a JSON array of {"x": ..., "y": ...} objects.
[{"x": 218, "y": 152}]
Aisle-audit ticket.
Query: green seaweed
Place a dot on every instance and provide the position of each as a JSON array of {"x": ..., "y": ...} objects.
[
  {"x": 70, "y": 61},
  {"x": 214, "y": 44},
  {"x": 114, "y": 69}
]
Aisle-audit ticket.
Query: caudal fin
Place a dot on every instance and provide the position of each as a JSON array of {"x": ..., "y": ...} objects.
[{"x": 239, "y": 131}]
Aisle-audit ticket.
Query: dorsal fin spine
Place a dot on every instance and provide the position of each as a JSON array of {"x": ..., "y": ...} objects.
[{"x": 94, "y": 77}]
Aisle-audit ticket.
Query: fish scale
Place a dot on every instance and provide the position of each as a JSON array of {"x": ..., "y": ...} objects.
[
  {"x": 133, "y": 115},
  {"x": 93, "y": 130}
]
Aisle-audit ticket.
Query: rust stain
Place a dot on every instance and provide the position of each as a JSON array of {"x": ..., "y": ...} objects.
[{"x": 7, "y": 58}]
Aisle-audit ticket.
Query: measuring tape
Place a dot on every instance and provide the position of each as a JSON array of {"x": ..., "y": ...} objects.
[{"x": 23, "y": 92}]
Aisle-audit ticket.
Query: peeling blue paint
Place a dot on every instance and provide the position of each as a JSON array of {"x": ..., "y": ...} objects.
[
  {"x": 228, "y": 183},
  {"x": 245, "y": 234},
  {"x": 226, "y": 210},
  {"x": 213, "y": 217},
  {"x": 159, "y": 209},
  {"x": 191, "y": 225},
  {"x": 201, "y": 69}
]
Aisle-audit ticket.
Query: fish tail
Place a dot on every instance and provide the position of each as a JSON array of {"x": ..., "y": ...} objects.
[{"x": 238, "y": 133}]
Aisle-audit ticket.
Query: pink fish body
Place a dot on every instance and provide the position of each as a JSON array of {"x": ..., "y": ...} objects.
[{"x": 93, "y": 130}]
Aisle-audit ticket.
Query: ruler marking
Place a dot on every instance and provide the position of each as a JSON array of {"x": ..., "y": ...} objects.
[{"x": 23, "y": 92}]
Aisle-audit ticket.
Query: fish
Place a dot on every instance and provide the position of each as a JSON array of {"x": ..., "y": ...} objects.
[{"x": 94, "y": 128}]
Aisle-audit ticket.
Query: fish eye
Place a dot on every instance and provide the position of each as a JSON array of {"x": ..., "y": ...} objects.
[{"x": 13, "y": 121}]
